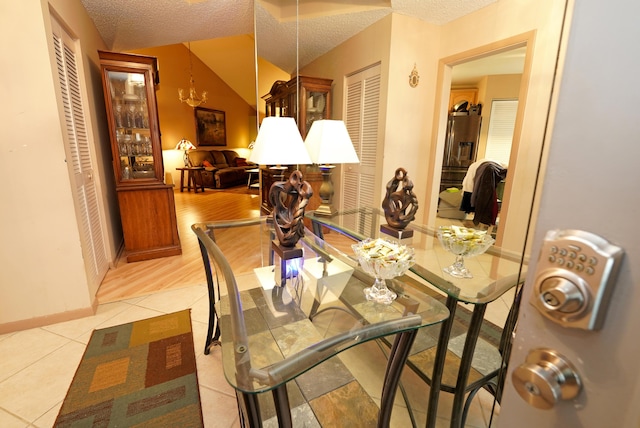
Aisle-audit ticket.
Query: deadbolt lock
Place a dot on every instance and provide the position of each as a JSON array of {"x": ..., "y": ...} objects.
[
  {"x": 575, "y": 275},
  {"x": 546, "y": 378}
]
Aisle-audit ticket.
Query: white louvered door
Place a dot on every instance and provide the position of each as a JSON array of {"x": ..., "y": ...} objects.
[
  {"x": 79, "y": 160},
  {"x": 362, "y": 106}
]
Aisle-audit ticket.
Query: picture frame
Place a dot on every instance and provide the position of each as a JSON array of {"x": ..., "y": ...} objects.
[{"x": 210, "y": 127}]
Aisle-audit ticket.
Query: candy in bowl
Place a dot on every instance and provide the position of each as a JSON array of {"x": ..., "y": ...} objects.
[
  {"x": 463, "y": 242},
  {"x": 383, "y": 260}
]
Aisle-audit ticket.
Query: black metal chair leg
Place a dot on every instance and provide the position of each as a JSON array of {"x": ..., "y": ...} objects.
[
  {"x": 212, "y": 338},
  {"x": 249, "y": 407},
  {"x": 465, "y": 363},
  {"x": 397, "y": 357},
  {"x": 283, "y": 409},
  {"x": 438, "y": 364}
]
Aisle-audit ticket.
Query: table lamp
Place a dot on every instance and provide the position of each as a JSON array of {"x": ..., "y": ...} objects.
[
  {"x": 279, "y": 143},
  {"x": 328, "y": 143},
  {"x": 185, "y": 145}
]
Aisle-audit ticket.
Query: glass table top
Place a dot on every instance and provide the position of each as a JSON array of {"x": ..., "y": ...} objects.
[
  {"x": 268, "y": 333},
  {"x": 494, "y": 272}
]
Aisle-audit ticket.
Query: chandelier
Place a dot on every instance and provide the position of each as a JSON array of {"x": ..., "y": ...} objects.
[{"x": 193, "y": 99}]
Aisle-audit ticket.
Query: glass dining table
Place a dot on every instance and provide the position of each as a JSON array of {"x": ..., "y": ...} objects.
[
  {"x": 493, "y": 274},
  {"x": 270, "y": 315}
]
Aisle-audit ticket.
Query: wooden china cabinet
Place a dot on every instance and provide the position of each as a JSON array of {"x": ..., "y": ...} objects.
[
  {"x": 311, "y": 97},
  {"x": 147, "y": 208}
]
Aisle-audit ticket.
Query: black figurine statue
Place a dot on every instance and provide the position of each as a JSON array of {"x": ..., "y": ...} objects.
[
  {"x": 400, "y": 206},
  {"x": 289, "y": 198}
]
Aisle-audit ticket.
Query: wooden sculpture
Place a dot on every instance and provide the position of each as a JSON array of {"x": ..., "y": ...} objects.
[
  {"x": 289, "y": 198},
  {"x": 400, "y": 205}
]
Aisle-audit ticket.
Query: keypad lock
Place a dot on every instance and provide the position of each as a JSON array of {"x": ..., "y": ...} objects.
[{"x": 576, "y": 273}]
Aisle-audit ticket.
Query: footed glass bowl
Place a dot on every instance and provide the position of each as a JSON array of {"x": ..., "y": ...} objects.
[
  {"x": 463, "y": 242},
  {"x": 383, "y": 260}
]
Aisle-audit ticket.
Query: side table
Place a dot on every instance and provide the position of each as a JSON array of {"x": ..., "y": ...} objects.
[
  {"x": 192, "y": 171},
  {"x": 253, "y": 182}
]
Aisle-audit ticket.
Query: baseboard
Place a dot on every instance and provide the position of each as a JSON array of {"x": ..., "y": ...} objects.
[{"x": 42, "y": 321}]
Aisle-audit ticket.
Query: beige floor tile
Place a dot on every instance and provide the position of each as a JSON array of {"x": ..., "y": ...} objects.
[
  {"x": 131, "y": 314},
  {"x": 48, "y": 419},
  {"x": 218, "y": 410},
  {"x": 7, "y": 420},
  {"x": 79, "y": 328},
  {"x": 39, "y": 387},
  {"x": 26, "y": 347},
  {"x": 6, "y": 335},
  {"x": 200, "y": 309},
  {"x": 45, "y": 363},
  {"x": 173, "y": 300},
  {"x": 210, "y": 372}
]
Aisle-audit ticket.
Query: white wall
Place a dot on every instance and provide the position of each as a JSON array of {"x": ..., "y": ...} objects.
[{"x": 42, "y": 274}]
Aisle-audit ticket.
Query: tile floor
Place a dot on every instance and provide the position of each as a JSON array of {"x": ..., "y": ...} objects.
[{"x": 37, "y": 365}]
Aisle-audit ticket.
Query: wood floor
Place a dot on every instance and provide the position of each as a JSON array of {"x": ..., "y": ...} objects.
[{"x": 128, "y": 280}]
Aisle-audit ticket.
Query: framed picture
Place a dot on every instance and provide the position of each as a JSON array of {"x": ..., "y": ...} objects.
[{"x": 210, "y": 127}]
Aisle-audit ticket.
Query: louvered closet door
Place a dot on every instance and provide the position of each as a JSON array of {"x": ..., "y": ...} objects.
[
  {"x": 362, "y": 107},
  {"x": 79, "y": 160}
]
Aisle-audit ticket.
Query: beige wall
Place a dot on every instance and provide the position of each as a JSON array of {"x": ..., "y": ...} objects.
[
  {"x": 42, "y": 275},
  {"x": 177, "y": 119},
  {"x": 499, "y": 21},
  {"x": 414, "y": 119},
  {"x": 499, "y": 87}
]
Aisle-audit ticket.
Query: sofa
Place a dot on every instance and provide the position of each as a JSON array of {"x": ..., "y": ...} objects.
[{"x": 222, "y": 168}]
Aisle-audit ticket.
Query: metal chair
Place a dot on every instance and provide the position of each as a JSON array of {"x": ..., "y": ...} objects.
[{"x": 494, "y": 381}]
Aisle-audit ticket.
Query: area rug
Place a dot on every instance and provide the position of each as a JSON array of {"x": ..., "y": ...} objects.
[{"x": 139, "y": 374}]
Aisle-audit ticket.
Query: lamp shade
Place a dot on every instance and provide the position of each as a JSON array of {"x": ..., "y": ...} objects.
[
  {"x": 185, "y": 144},
  {"x": 328, "y": 142},
  {"x": 279, "y": 143}
]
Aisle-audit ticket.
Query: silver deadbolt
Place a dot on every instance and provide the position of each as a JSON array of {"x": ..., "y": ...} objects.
[
  {"x": 546, "y": 378},
  {"x": 560, "y": 294},
  {"x": 574, "y": 278}
]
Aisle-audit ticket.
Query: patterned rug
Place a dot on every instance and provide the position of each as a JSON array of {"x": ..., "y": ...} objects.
[{"x": 137, "y": 374}]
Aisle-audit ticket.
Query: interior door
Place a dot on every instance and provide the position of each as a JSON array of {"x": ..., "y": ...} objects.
[
  {"x": 590, "y": 184},
  {"x": 79, "y": 160},
  {"x": 362, "y": 106}
]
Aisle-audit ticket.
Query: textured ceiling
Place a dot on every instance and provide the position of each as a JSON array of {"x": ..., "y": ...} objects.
[
  {"x": 221, "y": 32},
  {"x": 136, "y": 24}
]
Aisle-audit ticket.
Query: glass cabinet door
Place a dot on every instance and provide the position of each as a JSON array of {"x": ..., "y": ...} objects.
[
  {"x": 315, "y": 107},
  {"x": 131, "y": 121}
]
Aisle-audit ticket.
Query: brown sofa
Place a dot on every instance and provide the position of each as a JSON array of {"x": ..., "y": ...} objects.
[{"x": 222, "y": 168}]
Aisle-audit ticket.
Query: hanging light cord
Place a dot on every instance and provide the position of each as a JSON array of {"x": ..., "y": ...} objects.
[
  {"x": 255, "y": 62},
  {"x": 297, "y": 59},
  {"x": 190, "y": 64}
]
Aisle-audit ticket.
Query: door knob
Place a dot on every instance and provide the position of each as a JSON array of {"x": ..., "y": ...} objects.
[{"x": 546, "y": 378}]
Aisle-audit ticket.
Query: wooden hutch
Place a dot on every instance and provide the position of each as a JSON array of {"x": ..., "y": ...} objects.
[
  {"x": 147, "y": 208},
  {"x": 306, "y": 99}
]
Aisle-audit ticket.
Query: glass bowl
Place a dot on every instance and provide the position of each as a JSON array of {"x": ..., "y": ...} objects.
[
  {"x": 463, "y": 242},
  {"x": 383, "y": 260}
]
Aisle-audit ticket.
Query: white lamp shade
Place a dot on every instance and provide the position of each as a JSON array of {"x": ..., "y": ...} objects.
[
  {"x": 328, "y": 142},
  {"x": 279, "y": 143}
]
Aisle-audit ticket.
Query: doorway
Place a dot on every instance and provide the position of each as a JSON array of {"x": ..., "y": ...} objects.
[{"x": 477, "y": 87}]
